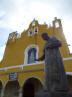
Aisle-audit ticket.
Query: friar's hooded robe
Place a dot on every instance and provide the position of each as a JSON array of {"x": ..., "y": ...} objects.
[{"x": 55, "y": 77}]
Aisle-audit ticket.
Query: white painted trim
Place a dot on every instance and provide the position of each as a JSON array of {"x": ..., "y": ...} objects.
[
  {"x": 68, "y": 58},
  {"x": 34, "y": 63},
  {"x": 32, "y": 77},
  {"x": 20, "y": 66},
  {"x": 25, "y": 64},
  {"x": 69, "y": 73},
  {"x": 11, "y": 67}
]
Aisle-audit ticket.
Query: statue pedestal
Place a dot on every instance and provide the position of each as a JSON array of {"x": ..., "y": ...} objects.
[
  {"x": 56, "y": 94},
  {"x": 42, "y": 94},
  {"x": 61, "y": 94}
]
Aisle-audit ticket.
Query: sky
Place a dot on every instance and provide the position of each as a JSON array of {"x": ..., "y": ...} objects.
[{"x": 16, "y": 15}]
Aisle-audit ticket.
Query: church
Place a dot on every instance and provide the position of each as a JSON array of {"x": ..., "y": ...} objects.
[{"x": 20, "y": 74}]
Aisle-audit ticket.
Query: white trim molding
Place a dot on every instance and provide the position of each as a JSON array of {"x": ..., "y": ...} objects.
[
  {"x": 35, "y": 77},
  {"x": 25, "y": 64},
  {"x": 20, "y": 66},
  {"x": 69, "y": 73},
  {"x": 68, "y": 58}
]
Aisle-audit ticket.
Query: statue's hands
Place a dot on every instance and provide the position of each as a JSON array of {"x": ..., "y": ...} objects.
[{"x": 36, "y": 60}]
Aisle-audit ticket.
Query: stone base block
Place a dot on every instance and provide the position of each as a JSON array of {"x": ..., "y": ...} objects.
[
  {"x": 56, "y": 94},
  {"x": 61, "y": 94},
  {"x": 42, "y": 94}
]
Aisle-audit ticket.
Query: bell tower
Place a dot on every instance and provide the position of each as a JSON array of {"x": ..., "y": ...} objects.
[
  {"x": 57, "y": 23},
  {"x": 58, "y": 32}
]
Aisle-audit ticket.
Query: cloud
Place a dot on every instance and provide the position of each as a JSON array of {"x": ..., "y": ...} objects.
[
  {"x": 20, "y": 12},
  {"x": 4, "y": 33},
  {"x": 2, "y": 14},
  {"x": 17, "y": 14}
]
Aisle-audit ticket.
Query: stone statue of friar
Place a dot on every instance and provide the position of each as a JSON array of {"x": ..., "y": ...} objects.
[{"x": 54, "y": 72}]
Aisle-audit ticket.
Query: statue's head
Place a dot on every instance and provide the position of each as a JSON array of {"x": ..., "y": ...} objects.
[{"x": 45, "y": 36}]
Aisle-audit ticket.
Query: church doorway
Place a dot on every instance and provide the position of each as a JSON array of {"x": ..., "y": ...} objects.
[
  {"x": 28, "y": 90},
  {"x": 69, "y": 79},
  {"x": 12, "y": 89},
  {"x": 0, "y": 88},
  {"x": 31, "y": 87}
]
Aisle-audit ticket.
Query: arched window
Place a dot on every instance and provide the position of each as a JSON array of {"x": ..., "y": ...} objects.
[
  {"x": 57, "y": 24},
  {"x": 30, "y": 32},
  {"x": 31, "y": 55},
  {"x": 36, "y": 30}
]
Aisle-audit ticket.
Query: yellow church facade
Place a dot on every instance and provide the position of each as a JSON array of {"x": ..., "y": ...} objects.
[{"x": 20, "y": 74}]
